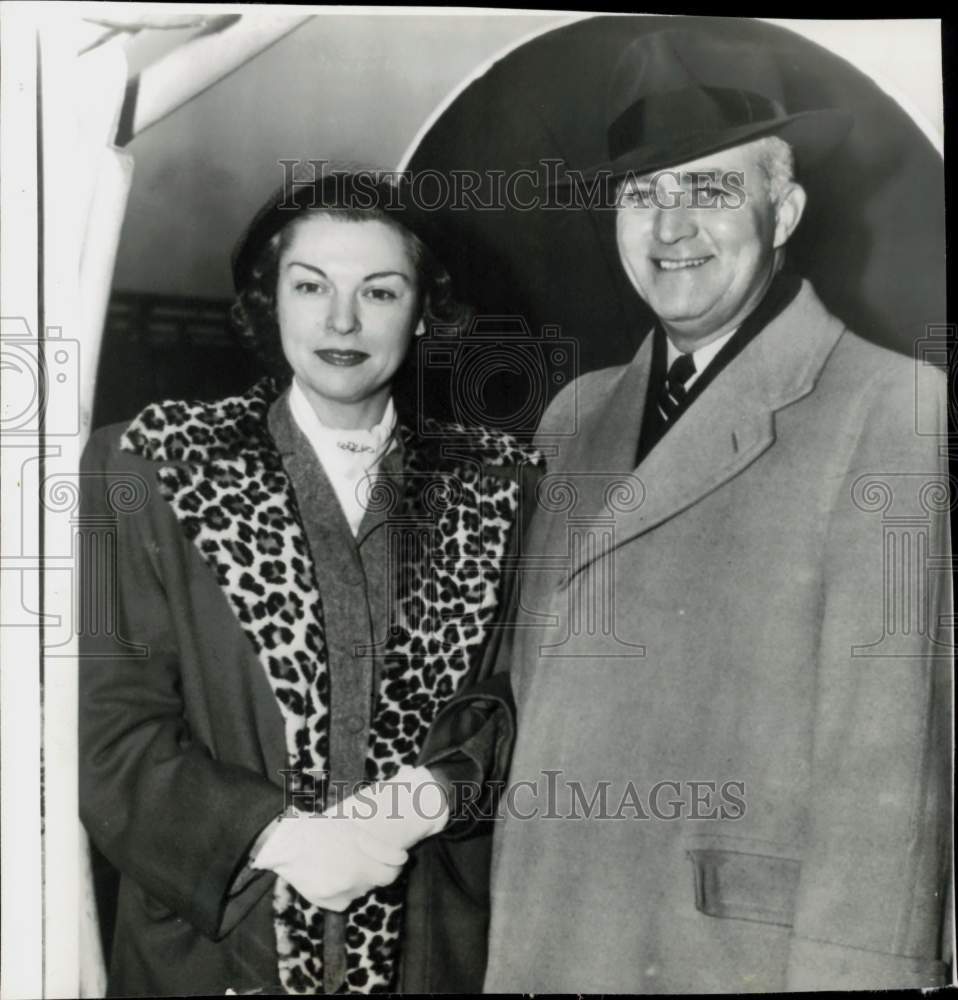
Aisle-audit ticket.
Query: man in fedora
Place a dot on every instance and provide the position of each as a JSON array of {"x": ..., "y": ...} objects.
[{"x": 732, "y": 769}]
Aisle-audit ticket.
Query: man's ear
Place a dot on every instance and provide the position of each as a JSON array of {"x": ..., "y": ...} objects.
[{"x": 788, "y": 213}]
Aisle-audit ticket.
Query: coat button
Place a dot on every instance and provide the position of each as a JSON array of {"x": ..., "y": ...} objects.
[{"x": 355, "y": 724}]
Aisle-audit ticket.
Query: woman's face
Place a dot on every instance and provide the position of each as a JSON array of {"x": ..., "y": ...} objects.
[{"x": 347, "y": 303}]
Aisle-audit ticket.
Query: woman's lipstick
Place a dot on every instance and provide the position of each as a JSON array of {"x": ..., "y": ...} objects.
[{"x": 342, "y": 359}]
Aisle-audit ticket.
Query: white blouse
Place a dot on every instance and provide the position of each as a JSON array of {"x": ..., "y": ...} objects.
[{"x": 348, "y": 457}]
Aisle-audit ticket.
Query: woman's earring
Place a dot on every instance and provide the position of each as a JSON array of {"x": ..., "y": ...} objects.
[{"x": 421, "y": 328}]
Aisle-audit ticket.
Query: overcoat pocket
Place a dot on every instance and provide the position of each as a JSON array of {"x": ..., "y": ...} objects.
[{"x": 741, "y": 878}]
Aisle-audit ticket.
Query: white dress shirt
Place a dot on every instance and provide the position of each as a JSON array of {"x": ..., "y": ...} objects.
[
  {"x": 703, "y": 357},
  {"x": 349, "y": 458}
]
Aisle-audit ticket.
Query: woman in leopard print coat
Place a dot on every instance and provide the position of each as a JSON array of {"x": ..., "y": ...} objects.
[{"x": 275, "y": 625}]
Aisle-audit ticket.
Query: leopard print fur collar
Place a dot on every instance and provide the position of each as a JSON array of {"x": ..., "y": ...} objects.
[{"x": 221, "y": 473}]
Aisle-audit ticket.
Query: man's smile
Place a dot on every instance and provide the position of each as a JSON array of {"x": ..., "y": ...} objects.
[{"x": 680, "y": 264}]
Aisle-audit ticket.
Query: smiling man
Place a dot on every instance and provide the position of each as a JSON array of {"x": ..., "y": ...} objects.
[
  {"x": 701, "y": 243},
  {"x": 720, "y": 602}
]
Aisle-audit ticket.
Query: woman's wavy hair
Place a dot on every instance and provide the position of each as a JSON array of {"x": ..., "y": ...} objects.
[{"x": 356, "y": 198}]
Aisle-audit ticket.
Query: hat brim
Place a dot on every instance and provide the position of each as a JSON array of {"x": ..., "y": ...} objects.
[
  {"x": 363, "y": 190},
  {"x": 812, "y": 134}
]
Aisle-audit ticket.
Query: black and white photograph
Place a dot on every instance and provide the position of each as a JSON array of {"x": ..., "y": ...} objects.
[{"x": 477, "y": 505}]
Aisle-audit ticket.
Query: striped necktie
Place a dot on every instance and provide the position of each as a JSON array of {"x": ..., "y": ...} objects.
[{"x": 672, "y": 395}]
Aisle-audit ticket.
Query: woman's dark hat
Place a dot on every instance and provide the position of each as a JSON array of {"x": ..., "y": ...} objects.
[
  {"x": 678, "y": 95},
  {"x": 356, "y": 191}
]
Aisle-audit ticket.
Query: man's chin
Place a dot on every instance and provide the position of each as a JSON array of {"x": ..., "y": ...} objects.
[{"x": 685, "y": 317}]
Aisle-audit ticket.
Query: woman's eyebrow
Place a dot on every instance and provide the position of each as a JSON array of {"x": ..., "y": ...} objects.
[
  {"x": 388, "y": 274},
  {"x": 309, "y": 267},
  {"x": 369, "y": 277}
]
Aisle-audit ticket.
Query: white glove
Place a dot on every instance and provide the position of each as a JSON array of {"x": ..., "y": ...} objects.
[
  {"x": 329, "y": 859},
  {"x": 402, "y": 811}
]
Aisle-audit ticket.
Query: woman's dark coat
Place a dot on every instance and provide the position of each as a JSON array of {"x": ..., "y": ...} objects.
[{"x": 182, "y": 743}]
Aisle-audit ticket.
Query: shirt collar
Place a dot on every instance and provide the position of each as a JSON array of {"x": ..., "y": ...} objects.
[
  {"x": 702, "y": 357},
  {"x": 348, "y": 457},
  {"x": 332, "y": 442}
]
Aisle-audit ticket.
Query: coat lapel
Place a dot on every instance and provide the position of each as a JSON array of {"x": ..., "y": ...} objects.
[
  {"x": 224, "y": 480},
  {"x": 611, "y": 446},
  {"x": 598, "y": 464},
  {"x": 452, "y": 519},
  {"x": 726, "y": 429}
]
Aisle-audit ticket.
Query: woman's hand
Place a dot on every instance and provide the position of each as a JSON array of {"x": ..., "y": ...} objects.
[
  {"x": 402, "y": 811},
  {"x": 357, "y": 844},
  {"x": 329, "y": 859}
]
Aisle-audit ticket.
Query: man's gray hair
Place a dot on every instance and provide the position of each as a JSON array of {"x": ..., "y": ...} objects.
[{"x": 777, "y": 160}]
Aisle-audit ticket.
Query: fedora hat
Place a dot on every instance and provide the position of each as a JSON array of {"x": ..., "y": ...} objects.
[{"x": 677, "y": 95}]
